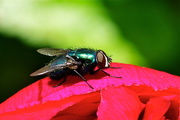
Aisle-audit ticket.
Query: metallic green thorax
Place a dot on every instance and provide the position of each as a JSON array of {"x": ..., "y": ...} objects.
[{"x": 87, "y": 55}]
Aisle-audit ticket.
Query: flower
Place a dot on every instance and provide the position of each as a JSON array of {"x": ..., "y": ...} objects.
[{"x": 141, "y": 93}]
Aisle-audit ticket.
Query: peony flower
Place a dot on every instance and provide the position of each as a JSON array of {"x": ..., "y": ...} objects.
[{"x": 142, "y": 93}]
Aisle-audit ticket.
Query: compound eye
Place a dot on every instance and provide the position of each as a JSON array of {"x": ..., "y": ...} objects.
[{"x": 102, "y": 59}]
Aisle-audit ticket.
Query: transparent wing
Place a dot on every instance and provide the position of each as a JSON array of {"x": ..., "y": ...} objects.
[
  {"x": 52, "y": 51},
  {"x": 47, "y": 69}
]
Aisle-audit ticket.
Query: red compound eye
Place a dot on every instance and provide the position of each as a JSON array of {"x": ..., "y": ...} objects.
[{"x": 102, "y": 59}]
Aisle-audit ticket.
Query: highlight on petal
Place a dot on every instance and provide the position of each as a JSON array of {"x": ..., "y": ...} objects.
[{"x": 119, "y": 104}]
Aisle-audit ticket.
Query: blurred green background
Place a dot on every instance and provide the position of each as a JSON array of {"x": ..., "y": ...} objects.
[{"x": 145, "y": 33}]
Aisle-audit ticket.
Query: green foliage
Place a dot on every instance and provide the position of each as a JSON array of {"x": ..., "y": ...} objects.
[{"x": 62, "y": 24}]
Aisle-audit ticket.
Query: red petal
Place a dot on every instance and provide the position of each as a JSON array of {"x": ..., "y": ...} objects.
[
  {"x": 173, "y": 112},
  {"x": 156, "y": 109},
  {"x": 42, "y": 92},
  {"x": 145, "y": 93},
  {"x": 75, "y": 107},
  {"x": 135, "y": 75},
  {"x": 84, "y": 110},
  {"x": 119, "y": 104},
  {"x": 172, "y": 95}
]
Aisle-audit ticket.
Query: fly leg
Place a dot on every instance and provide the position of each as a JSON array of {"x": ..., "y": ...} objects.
[
  {"x": 83, "y": 78},
  {"x": 115, "y": 67},
  {"x": 93, "y": 72},
  {"x": 109, "y": 74},
  {"x": 60, "y": 82}
]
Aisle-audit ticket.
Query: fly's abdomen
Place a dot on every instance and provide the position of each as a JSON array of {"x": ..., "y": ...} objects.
[{"x": 58, "y": 74}]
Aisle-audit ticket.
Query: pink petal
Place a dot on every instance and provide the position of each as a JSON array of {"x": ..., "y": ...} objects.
[
  {"x": 119, "y": 104},
  {"x": 156, "y": 109}
]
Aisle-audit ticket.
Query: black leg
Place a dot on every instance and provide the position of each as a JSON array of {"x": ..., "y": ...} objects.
[
  {"x": 115, "y": 67},
  {"x": 109, "y": 74},
  {"x": 93, "y": 72},
  {"x": 60, "y": 82},
  {"x": 83, "y": 78}
]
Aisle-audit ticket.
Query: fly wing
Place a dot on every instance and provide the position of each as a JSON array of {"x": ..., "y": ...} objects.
[
  {"x": 52, "y": 51},
  {"x": 47, "y": 69},
  {"x": 42, "y": 71}
]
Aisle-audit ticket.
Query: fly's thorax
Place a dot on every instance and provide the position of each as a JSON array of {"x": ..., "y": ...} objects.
[
  {"x": 86, "y": 56},
  {"x": 58, "y": 74}
]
